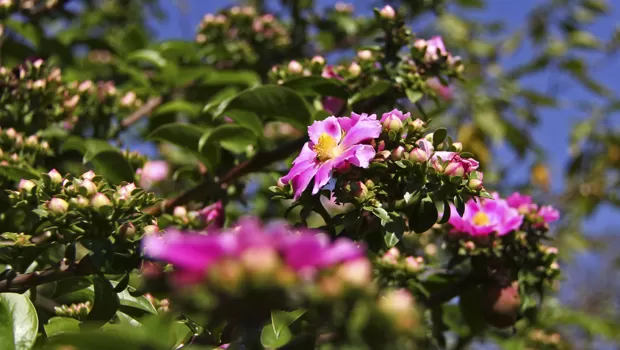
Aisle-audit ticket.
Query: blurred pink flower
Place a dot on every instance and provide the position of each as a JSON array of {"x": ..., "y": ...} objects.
[
  {"x": 442, "y": 91},
  {"x": 486, "y": 217},
  {"x": 213, "y": 214},
  {"x": 153, "y": 171}
]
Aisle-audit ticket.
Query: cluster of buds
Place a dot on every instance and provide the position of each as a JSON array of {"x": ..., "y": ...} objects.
[
  {"x": 161, "y": 305},
  {"x": 211, "y": 216},
  {"x": 241, "y": 35},
  {"x": 539, "y": 339},
  {"x": 79, "y": 206},
  {"x": 19, "y": 150},
  {"x": 27, "y": 88},
  {"x": 78, "y": 311},
  {"x": 26, "y": 6},
  {"x": 392, "y": 259},
  {"x": 433, "y": 52}
]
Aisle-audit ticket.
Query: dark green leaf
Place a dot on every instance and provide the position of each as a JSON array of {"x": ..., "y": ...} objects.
[
  {"x": 443, "y": 206},
  {"x": 378, "y": 88},
  {"x": 178, "y": 106},
  {"x": 140, "y": 302},
  {"x": 19, "y": 322},
  {"x": 101, "y": 341},
  {"x": 187, "y": 136},
  {"x": 424, "y": 216},
  {"x": 16, "y": 174},
  {"x": 57, "y": 325},
  {"x": 235, "y": 138},
  {"x": 272, "y": 102},
  {"x": 238, "y": 77},
  {"x": 394, "y": 230},
  {"x": 382, "y": 214},
  {"x": 318, "y": 86},
  {"x": 150, "y": 56},
  {"x": 413, "y": 95},
  {"x": 439, "y": 136},
  {"x": 106, "y": 302}
]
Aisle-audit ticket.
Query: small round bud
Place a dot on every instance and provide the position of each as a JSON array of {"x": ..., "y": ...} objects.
[
  {"x": 398, "y": 153},
  {"x": 387, "y": 12},
  {"x": 454, "y": 169},
  {"x": 127, "y": 230},
  {"x": 55, "y": 176},
  {"x": 457, "y": 146},
  {"x": 37, "y": 63},
  {"x": 474, "y": 184},
  {"x": 89, "y": 175},
  {"x": 58, "y": 206},
  {"x": 180, "y": 212},
  {"x": 25, "y": 185},
  {"x": 85, "y": 86},
  {"x": 45, "y": 145},
  {"x": 359, "y": 190},
  {"x": 89, "y": 186},
  {"x": 281, "y": 185},
  {"x": 357, "y": 273},
  {"x": 11, "y": 133},
  {"x": 80, "y": 201},
  {"x": 320, "y": 60},
  {"x": 420, "y": 44},
  {"x": 470, "y": 246},
  {"x": 355, "y": 69},
  {"x": 151, "y": 229},
  {"x": 413, "y": 264},
  {"x": 392, "y": 123},
  {"x": 100, "y": 200},
  {"x": 418, "y": 155},
  {"x": 39, "y": 84},
  {"x": 364, "y": 55},
  {"x": 32, "y": 140},
  {"x": 295, "y": 67}
]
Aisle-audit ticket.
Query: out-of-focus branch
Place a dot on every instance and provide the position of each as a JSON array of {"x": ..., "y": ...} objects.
[
  {"x": 24, "y": 281},
  {"x": 143, "y": 111}
]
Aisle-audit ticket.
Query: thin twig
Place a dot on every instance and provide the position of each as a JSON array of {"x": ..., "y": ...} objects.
[
  {"x": 145, "y": 110},
  {"x": 24, "y": 281}
]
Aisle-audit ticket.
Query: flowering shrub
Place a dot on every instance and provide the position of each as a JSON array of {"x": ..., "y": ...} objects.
[{"x": 244, "y": 190}]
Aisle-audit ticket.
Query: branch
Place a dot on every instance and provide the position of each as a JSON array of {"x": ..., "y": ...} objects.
[
  {"x": 257, "y": 162},
  {"x": 24, "y": 281},
  {"x": 148, "y": 107}
]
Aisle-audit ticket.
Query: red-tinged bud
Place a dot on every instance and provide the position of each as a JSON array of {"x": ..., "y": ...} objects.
[
  {"x": 71, "y": 103},
  {"x": 399, "y": 306},
  {"x": 357, "y": 273},
  {"x": 39, "y": 84},
  {"x": 454, "y": 169},
  {"x": 127, "y": 230},
  {"x": 501, "y": 305},
  {"x": 32, "y": 140},
  {"x": 420, "y": 44},
  {"x": 392, "y": 123},
  {"x": 80, "y": 201},
  {"x": 55, "y": 176},
  {"x": 25, "y": 185},
  {"x": 398, "y": 153},
  {"x": 180, "y": 212},
  {"x": 418, "y": 155},
  {"x": 100, "y": 200},
  {"x": 89, "y": 187},
  {"x": 318, "y": 60},
  {"x": 359, "y": 190},
  {"x": 387, "y": 12},
  {"x": 295, "y": 67},
  {"x": 89, "y": 175},
  {"x": 151, "y": 229},
  {"x": 11, "y": 133},
  {"x": 85, "y": 86},
  {"x": 474, "y": 184},
  {"x": 414, "y": 264},
  {"x": 58, "y": 206},
  {"x": 470, "y": 246}
]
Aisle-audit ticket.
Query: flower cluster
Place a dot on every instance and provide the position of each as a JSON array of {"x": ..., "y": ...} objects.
[
  {"x": 73, "y": 207},
  {"x": 211, "y": 216},
  {"x": 240, "y": 35},
  {"x": 19, "y": 150},
  {"x": 35, "y": 83},
  {"x": 274, "y": 251},
  {"x": 78, "y": 311},
  {"x": 27, "y": 6}
]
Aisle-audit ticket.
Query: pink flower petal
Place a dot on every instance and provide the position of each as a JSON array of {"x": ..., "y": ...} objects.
[{"x": 329, "y": 126}]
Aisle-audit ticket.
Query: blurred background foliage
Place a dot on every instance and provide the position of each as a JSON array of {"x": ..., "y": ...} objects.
[{"x": 538, "y": 104}]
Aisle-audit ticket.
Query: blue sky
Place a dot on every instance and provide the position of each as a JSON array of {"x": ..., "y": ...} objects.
[{"x": 552, "y": 134}]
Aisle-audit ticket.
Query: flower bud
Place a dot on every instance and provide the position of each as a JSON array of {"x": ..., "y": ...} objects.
[
  {"x": 398, "y": 153},
  {"x": 551, "y": 251},
  {"x": 359, "y": 190},
  {"x": 295, "y": 67},
  {"x": 501, "y": 305},
  {"x": 45, "y": 145},
  {"x": 454, "y": 169},
  {"x": 151, "y": 229},
  {"x": 39, "y": 84},
  {"x": 261, "y": 261},
  {"x": 10, "y": 133},
  {"x": 25, "y": 185},
  {"x": 474, "y": 184},
  {"x": 129, "y": 99},
  {"x": 457, "y": 146},
  {"x": 100, "y": 200},
  {"x": 392, "y": 123},
  {"x": 125, "y": 191},
  {"x": 85, "y": 86},
  {"x": 55, "y": 176},
  {"x": 58, "y": 206},
  {"x": 420, "y": 44},
  {"x": 179, "y": 212},
  {"x": 387, "y": 12},
  {"x": 470, "y": 246},
  {"x": 37, "y": 63},
  {"x": 397, "y": 302},
  {"x": 89, "y": 186},
  {"x": 418, "y": 155},
  {"x": 319, "y": 60},
  {"x": 214, "y": 214},
  {"x": 6, "y": 4},
  {"x": 80, "y": 201},
  {"x": 89, "y": 175},
  {"x": 355, "y": 69},
  {"x": 127, "y": 230},
  {"x": 364, "y": 55},
  {"x": 357, "y": 273},
  {"x": 32, "y": 140}
]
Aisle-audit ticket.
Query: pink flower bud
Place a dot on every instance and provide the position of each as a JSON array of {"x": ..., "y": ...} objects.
[
  {"x": 355, "y": 69},
  {"x": 295, "y": 67},
  {"x": 398, "y": 153},
  {"x": 413, "y": 264},
  {"x": 458, "y": 146},
  {"x": 392, "y": 123},
  {"x": 151, "y": 229},
  {"x": 89, "y": 186},
  {"x": 364, "y": 55},
  {"x": 10, "y": 133},
  {"x": 359, "y": 190},
  {"x": 85, "y": 86},
  {"x": 357, "y": 273},
  {"x": 387, "y": 12},
  {"x": 100, "y": 200},
  {"x": 32, "y": 140},
  {"x": 397, "y": 302},
  {"x": 127, "y": 230},
  {"x": 55, "y": 176},
  {"x": 89, "y": 175},
  {"x": 454, "y": 169},
  {"x": 420, "y": 44},
  {"x": 58, "y": 206},
  {"x": 80, "y": 201},
  {"x": 25, "y": 185},
  {"x": 318, "y": 60},
  {"x": 180, "y": 212},
  {"x": 39, "y": 84},
  {"x": 37, "y": 63},
  {"x": 470, "y": 246},
  {"x": 129, "y": 99},
  {"x": 214, "y": 214},
  {"x": 125, "y": 191}
]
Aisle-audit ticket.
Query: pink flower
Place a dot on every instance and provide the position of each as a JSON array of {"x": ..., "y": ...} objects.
[
  {"x": 304, "y": 251},
  {"x": 451, "y": 163},
  {"x": 334, "y": 143},
  {"x": 442, "y": 91},
  {"x": 395, "y": 114},
  {"x": 213, "y": 214},
  {"x": 521, "y": 202},
  {"x": 423, "y": 152},
  {"x": 549, "y": 213},
  {"x": 486, "y": 217},
  {"x": 153, "y": 171},
  {"x": 434, "y": 46}
]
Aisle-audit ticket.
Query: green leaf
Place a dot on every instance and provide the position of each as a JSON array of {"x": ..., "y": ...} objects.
[
  {"x": 583, "y": 40},
  {"x": 282, "y": 319},
  {"x": 424, "y": 216},
  {"x": 443, "y": 206},
  {"x": 100, "y": 341},
  {"x": 16, "y": 174},
  {"x": 235, "y": 138},
  {"x": 140, "y": 302},
  {"x": 394, "y": 230},
  {"x": 247, "y": 119},
  {"x": 318, "y": 86},
  {"x": 277, "y": 333},
  {"x": 107, "y": 159},
  {"x": 321, "y": 115},
  {"x": 178, "y": 106},
  {"x": 187, "y": 136},
  {"x": 271, "y": 102},
  {"x": 150, "y": 56},
  {"x": 413, "y": 95},
  {"x": 57, "y": 325},
  {"x": 237, "y": 77},
  {"x": 375, "y": 89},
  {"x": 382, "y": 214},
  {"x": 177, "y": 49},
  {"x": 106, "y": 302},
  {"x": 19, "y": 322},
  {"x": 439, "y": 136}
]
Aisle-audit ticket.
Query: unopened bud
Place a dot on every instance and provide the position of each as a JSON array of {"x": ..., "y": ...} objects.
[
  {"x": 454, "y": 169},
  {"x": 398, "y": 153},
  {"x": 58, "y": 206},
  {"x": 387, "y": 12},
  {"x": 32, "y": 140},
  {"x": 457, "y": 146},
  {"x": 392, "y": 123},
  {"x": 127, "y": 230},
  {"x": 151, "y": 229},
  {"x": 420, "y": 44},
  {"x": 413, "y": 264},
  {"x": 359, "y": 190},
  {"x": 10, "y": 133},
  {"x": 85, "y": 86},
  {"x": 364, "y": 55},
  {"x": 80, "y": 201},
  {"x": 100, "y": 200},
  {"x": 418, "y": 155},
  {"x": 470, "y": 246},
  {"x": 474, "y": 184},
  {"x": 357, "y": 273},
  {"x": 55, "y": 176},
  {"x": 295, "y": 67},
  {"x": 37, "y": 63},
  {"x": 89, "y": 175},
  {"x": 355, "y": 69},
  {"x": 89, "y": 187},
  {"x": 39, "y": 84},
  {"x": 25, "y": 185},
  {"x": 320, "y": 60},
  {"x": 180, "y": 212}
]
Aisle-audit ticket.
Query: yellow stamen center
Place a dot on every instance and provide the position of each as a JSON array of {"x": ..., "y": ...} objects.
[
  {"x": 327, "y": 148},
  {"x": 481, "y": 219}
]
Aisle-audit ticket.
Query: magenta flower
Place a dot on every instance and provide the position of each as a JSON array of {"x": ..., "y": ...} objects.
[
  {"x": 395, "y": 114},
  {"x": 524, "y": 204},
  {"x": 153, "y": 171},
  {"x": 486, "y": 217},
  {"x": 213, "y": 214},
  {"x": 334, "y": 143},
  {"x": 442, "y": 91},
  {"x": 304, "y": 251},
  {"x": 451, "y": 163},
  {"x": 433, "y": 46},
  {"x": 549, "y": 213}
]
